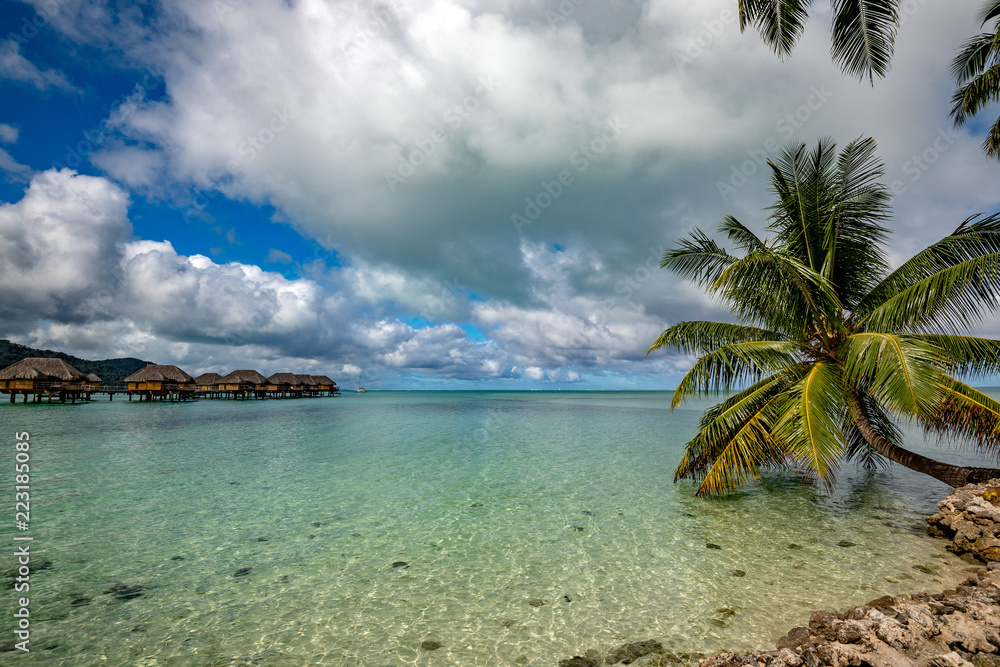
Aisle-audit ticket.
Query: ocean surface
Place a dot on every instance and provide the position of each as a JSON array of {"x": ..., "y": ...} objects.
[{"x": 504, "y": 528}]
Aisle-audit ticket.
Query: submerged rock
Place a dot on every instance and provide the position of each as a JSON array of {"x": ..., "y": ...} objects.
[
  {"x": 400, "y": 563},
  {"x": 739, "y": 573},
  {"x": 122, "y": 591},
  {"x": 535, "y": 602},
  {"x": 430, "y": 645},
  {"x": 625, "y": 654}
]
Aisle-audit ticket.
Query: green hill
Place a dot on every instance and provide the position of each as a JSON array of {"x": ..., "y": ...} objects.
[{"x": 111, "y": 371}]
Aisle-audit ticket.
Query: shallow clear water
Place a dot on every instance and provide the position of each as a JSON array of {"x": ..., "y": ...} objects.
[{"x": 494, "y": 501}]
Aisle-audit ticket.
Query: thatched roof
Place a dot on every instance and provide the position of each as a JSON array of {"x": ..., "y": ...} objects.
[
  {"x": 244, "y": 377},
  {"x": 323, "y": 379},
  {"x": 160, "y": 373},
  {"x": 283, "y": 378},
  {"x": 305, "y": 380},
  {"x": 208, "y": 379},
  {"x": 41, "y": 368},
  {"x": 93, "y": 377}
]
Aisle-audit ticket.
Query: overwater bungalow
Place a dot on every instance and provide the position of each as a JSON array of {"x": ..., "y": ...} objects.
[
  {"x": 207, "y": 385},
  {"x": 283, "y": 385},
  {"x": 306, "y": 384},
  {"x": 325, "y": 386},
  {"x": 163, "y": 382},
  {"x": 91, "y": 385},
  {"x": 244, "y": 384},
  {"x": 40, "y": 376}
]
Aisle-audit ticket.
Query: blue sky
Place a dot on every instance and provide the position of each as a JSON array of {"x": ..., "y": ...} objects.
[{"x": 446, "y": 194}]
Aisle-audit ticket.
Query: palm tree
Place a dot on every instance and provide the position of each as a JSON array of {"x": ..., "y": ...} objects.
[
  {"x": 977, "y": 73},
  {"x": 864, "y": 31},
  {"x": 833, "y": 348}
]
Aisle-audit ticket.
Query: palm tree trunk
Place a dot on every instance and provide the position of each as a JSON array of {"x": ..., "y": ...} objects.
[{"x": 951, "y": 475}]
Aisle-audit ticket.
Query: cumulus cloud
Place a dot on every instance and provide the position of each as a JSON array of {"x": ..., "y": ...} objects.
[{"x": 497, "y": 178}]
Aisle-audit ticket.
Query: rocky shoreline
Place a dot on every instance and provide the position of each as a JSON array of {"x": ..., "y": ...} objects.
[{"x": 956, "y": 628}]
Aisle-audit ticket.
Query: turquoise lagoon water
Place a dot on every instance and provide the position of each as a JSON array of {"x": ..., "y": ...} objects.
[{"x": 143, "y": 515}]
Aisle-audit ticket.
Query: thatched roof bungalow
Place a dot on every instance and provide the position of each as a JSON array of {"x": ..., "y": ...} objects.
[
  {"x": 283, "y": 379},
  {"x": 41, "y": 374},
  {"x": 324, "y": 383},
  {"x": 160, "y": 380},
  {"x": 245, "y": 380},
  {"x": 208, "y": 384},
  {"x": 92, "y": 383},
  {"x": 305, "y": 381},
  {"x": 208, "y": 381}
]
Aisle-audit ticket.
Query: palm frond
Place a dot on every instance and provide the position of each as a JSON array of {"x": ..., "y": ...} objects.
[
  {"x": 968, "y": 414},
  {"x": 977, "y": 92},
  {"x": 802, "y": 180},
  {"x": 774, "y": 289},
  {"x": 991, "y": 145},
  {"x": 903, "y": 374},
  {"x": 811, "y": 426},
  {"x": 698, "y": 259},
  {"x": 854, "y": 238},
  {"x": 727, "y": 367},
  {"x": 864, "y": 33},
  {"x": 990, "y": 10},
  {"x": 947, "y": 286},
  {"x": 966, "y": 355},
  {"x": 779, "y": 22},
  {"x": 698, "y": 337},
  {"x": 723, "y": 422},
  {"x": 739, "y": 234}
]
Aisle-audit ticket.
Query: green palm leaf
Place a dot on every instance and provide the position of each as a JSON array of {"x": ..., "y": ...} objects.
[
  {"x": 699, "y": 259},
  {"x": 948, "y": 285},
  {"x": 976, "y": 68},
  {"x": 968, "y": 414},
  {"x": 699, "y": 337},
  {"x": 966, "y": 355},
  {"x": 727, "y": 367},
  {"x": 864, "y": 32},
  {"x": 721, "y": 423},
  {"x": 780, "y": 22},
  {"x": 901, "y": 373},
  {"x": 811, "y": 426}
]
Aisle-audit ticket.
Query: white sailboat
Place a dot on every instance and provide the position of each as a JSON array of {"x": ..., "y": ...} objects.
[{"x": 360, "y": 389}]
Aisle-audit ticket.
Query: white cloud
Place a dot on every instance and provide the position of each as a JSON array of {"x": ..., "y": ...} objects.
[
  {"x": 9, "y": 133},
  {"x": 16, "y": 67},
  {"x": 479, "y": 109}
]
